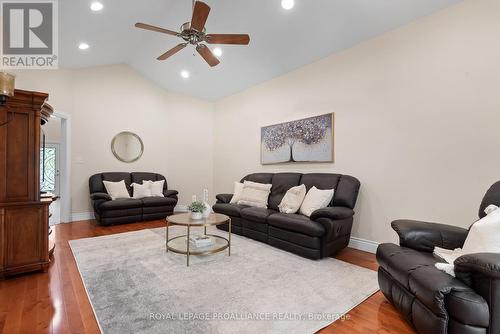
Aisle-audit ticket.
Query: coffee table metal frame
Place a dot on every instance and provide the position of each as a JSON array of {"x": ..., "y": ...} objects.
[{"x": 184, "y": 219}]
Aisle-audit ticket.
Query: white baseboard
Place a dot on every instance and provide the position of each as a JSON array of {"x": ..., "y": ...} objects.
[
  {"x": 181, "y": 208},
  {"x": 356, "y": 243},
  {"x": 77, "y": 216},
  {"x": 363, "y": 245}
]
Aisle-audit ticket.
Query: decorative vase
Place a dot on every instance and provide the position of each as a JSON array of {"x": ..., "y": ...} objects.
[
  {"x": 196, "y": 215},
  {"x": 208, "y": 209}
]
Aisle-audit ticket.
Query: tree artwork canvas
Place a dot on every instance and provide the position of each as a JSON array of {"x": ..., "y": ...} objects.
[{"x": 306, "y": 140}]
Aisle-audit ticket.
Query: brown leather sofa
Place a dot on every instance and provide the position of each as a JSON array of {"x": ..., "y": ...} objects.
[
  {"x": 431, "y": 300},
  {"x": 129, "y": 210},
  {"x": 326, "y": 232}
]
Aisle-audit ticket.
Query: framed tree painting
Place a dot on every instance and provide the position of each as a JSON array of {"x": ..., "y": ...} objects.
[{"x": 306, "y": 140}]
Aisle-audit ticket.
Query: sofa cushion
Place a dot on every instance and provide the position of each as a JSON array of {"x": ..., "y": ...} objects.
[
  {"x": 121, "y": 213},
  {"x": 295, "y": 238},
  {"x": 139, "y": 177},
  {"x": 296, "y": 223},
  {"x": 158, "y": 201},
  {"x": 255, "y": 194},
  {"x": 316, "y": 199},
  {"x": 258, "y": 215},
  {"x": 116, "y": 190},
  {"x": 492, "y": 196},
  {"x": 293, "y": 199},
  {"x": 265, "y": 178},
  {"x": 400, "y": 262},
  {"x": 141, "y": 190},
  {"x": 116, "y": 177},
  {"x": 120, "y": 204},
  {"x": 320, "y": 180},
  {"x": 281, "y": 183},
  {"x": 232, "y": 210},
  {"x": 238, "y": 190},
  {"x": 346, "y": 193}
]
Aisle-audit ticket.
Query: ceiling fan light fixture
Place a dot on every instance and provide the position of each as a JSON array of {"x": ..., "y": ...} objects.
[
  {"x": 217, "y": 52},
  {"x": 287, "y": 4}
]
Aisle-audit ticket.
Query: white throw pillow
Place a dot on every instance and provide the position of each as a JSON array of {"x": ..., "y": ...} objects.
[
  {"x": 141, "y": 190},
  {"x": 484, "y": 235},
  {"x": 156, "y": 187},
  {"x": 293, "y": 199},
  {"x": 255, "y": 194},
  {"x": 238, "y": 189},
  {"x": 116, "y": 189},
  {"x": 316, "y": 199},
  {"x": 490, "y": 208}
]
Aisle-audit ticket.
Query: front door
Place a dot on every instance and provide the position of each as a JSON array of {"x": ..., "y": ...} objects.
[{"x": 49, "y": 168}]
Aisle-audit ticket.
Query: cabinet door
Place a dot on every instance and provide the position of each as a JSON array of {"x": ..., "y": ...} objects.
[
  {"x": 24, "y": 227},
  {"x": 20, "y": 149},
  {"x": 2, "y": 238}
]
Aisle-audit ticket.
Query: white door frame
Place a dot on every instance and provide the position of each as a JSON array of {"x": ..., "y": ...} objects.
[{"x": 65, "y": 166}]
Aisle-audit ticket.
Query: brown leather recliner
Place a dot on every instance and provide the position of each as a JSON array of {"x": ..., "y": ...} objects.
[
  {"x": 431, "y": 300},
  {"x": 129, "y": 210}
]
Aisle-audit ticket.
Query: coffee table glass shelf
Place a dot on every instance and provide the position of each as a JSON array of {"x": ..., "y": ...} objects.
[{"x": 181, "y": 245}]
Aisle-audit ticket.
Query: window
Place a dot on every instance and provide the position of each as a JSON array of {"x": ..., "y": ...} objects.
[{"x": 48, "y": 170}]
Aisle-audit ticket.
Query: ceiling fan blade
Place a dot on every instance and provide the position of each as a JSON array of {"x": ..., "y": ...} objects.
[
  {"x": 172, "y": 51},
  {"x": 241, "y": 39},
  {"x": 200, "y": 15},
  {"x": 209, "y": 57},
  {"x": 154, "y": 28}
]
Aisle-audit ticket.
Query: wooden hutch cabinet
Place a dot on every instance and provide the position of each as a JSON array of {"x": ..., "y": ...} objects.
[{"x": 24, "y": 216}]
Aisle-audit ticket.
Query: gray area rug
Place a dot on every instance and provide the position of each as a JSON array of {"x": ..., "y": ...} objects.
[{"x": 134, "y": 286}]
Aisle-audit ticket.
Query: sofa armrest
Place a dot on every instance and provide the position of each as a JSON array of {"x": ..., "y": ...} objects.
[
  {"x": 96, "y": 196},
  {"x": 423, "y": 236},
  {"x": 334, "y": 213},
  {"x": 224, "y": 198},
  {"x": 484, "y": 264},
  {"x": 481, "y": 272},
  {"x": 170, "y": 193}
]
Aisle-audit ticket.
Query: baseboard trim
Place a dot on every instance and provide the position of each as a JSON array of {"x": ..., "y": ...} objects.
[
  {"x": 78, "y": 216},
  {"x": 181, "y": 208},
  {"x": 363, "y": 245},
  {"x": 356, "y": 243}
]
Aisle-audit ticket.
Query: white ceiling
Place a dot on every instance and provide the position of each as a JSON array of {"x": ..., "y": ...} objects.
[{"x": 280, "y": 40}]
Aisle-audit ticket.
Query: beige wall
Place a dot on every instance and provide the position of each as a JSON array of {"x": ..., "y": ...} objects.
[
  {"x": 52, "y": 130},
  {"x": 177, "y": 130},
  {"x": 417, "y": 112},
  {"x": 417, "y": 115}
]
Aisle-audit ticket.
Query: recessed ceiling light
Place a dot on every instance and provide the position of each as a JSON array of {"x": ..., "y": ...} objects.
[
  {"x": 217, "y": 52},
  {"x": 185, "y": 74},
  {"x": 287, "y": 4},
  {"x": 96, "y": 6},
  {"x": 83, "y": 46}
]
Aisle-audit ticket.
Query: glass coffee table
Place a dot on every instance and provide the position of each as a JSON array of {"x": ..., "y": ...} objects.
[{"x": 180, "y": 244}]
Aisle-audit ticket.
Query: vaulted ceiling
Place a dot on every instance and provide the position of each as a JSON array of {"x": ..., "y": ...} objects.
[{"x": 280, "y": 40}]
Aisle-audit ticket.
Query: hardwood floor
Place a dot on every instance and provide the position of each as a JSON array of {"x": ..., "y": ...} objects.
[{"x": 56, "y": 302}]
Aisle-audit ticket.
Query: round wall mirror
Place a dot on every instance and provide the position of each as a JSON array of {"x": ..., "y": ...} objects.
[{"x": 127, "y": 146}]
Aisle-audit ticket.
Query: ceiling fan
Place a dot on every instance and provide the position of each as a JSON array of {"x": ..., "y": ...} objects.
[{"x": 194, "y": 33}]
